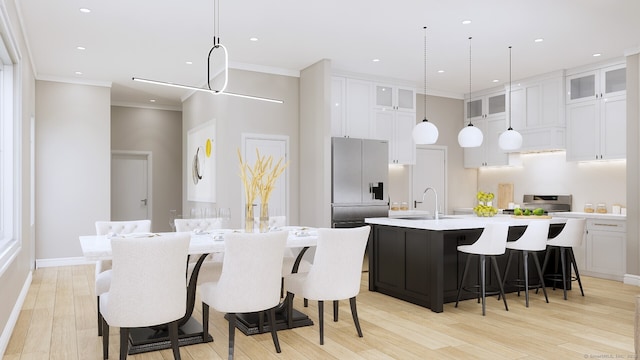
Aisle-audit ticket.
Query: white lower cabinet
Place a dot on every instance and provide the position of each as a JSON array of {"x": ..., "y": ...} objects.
[{"x": 604, "y": 249}]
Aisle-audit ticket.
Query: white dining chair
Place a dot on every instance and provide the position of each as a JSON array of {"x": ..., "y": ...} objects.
[
  {"x": 211, "y": 268},
  {"x": 250, "y": 280},
  {"x": 102, "y": 273},
  {"x": 148, "y": 287},
  {"x": 335, "y": 274}
]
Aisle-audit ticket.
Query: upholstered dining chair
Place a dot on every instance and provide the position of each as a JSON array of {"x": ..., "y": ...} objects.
[
  {"x": 148, "y": 287},
  {"x": 211, "y": 268},
  {"x": 335, "y": 274},
  {"x": 102, "y": 274},
  {"x": 250, "y": 280}
]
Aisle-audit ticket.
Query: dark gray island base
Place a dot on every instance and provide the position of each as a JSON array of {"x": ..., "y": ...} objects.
[{"x": 423, "y": 266}]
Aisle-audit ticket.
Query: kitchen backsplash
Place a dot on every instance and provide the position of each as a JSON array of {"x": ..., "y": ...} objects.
[{"x": 549, "y": 173}]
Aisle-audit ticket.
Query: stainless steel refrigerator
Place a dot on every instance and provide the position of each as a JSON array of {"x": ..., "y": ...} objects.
[{"x": 359, "y": 180}]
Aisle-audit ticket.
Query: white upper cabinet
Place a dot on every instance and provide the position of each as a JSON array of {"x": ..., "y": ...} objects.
[
  {"x": 485, "y": 106},
  {"x": 489, "y": 153},
  {"x": 390, "y": 97},
  {"x": 396, "y": 127},
  {"x": 597, "y": 84},
  {"x": 538, "y": 112},
  {"x": 596, "y": 114},
  {"x": 352, "y": 108}
]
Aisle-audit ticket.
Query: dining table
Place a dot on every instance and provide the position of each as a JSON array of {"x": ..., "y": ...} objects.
[{"x": 203, "y": 243}]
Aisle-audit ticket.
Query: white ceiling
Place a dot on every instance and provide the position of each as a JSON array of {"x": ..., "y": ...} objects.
[{"x": 154, "y": 39}]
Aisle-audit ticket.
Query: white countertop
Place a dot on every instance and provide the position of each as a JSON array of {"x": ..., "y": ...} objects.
[
  {"x": 457, "y": 222},
  {"x": 578, "y": 214}
]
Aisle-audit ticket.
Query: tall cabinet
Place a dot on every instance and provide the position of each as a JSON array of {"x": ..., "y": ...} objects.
[
  {"x": 596, "y": 113},
  {"x": 394, "y": 119},
  {"x": 487, "y": 111}
]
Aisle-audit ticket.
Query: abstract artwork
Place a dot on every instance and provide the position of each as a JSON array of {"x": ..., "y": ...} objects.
[{"x": 201, "y": 164}]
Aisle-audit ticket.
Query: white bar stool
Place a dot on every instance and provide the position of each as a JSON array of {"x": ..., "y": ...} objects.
[
  {"x": 570, "y": 236},
  {"x": 491, "y": 243}
]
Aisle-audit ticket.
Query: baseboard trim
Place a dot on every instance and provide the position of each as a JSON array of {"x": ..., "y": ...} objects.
[
  {"x": 42, "y": 263},
  {"x": 5, "y": 336},
  {"x": 632, "y": 279}
]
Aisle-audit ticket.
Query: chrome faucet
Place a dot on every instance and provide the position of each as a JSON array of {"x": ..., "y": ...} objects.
[{"x": 436, "y": 195}]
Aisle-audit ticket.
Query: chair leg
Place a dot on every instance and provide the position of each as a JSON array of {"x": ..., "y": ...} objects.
[
  {"x": 354, "y": 314},
  {"x": 173, "y": 336},
  {"x": 99, "y": 317},
  {"x": 105, "y": 339},
  {"x": 575, "y": 268},
  {"x": 335, "y": 310},
  {"x": 124, "y": 343},
  {"x": 564, "y": 272},
  {"x": 464, "y": 276},
  {"x": 544, "y": 288},
  {"x": 497, "y": 270},
  {"x": 483, "y": 282},
  {"x": 232, "y": 333},
  {"x": 321, "y": 320},
  {"x": 289, "y": 301},
  {"x": 506, "y": 271},
  {"x": 306, "y": 302},
  {"x": 205, "y": 321},
  {"x": 271, "y": 314}
]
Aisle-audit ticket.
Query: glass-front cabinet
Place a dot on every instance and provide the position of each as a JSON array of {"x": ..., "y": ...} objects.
[
  {"x": 485, "y": 106},
  {"x": 389, "y": 97},
  {"x": 597, "y": 84}
]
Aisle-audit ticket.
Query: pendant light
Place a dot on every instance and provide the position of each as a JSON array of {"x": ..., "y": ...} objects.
[
  {"x": 425, "y": 133},
  {"x": 470, "y": 136},
  {"x": 510, "y": 140},
  {"x": 216, "y": 46}
]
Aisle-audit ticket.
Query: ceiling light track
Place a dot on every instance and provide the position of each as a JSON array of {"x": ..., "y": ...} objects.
[{"x": 209, "y": 89}]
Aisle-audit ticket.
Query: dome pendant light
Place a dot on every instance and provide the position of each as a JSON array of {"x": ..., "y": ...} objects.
[
  {"x": 425, "y": 133},
  {"x": 470, "y": 136},
  {"x": 510, "y": 140}
]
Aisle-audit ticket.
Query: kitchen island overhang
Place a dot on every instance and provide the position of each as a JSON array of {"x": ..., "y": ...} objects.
[{"x": 417, "y": 260}]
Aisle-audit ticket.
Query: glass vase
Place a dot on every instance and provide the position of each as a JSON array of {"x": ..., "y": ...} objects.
[
  {"x": 264, "y": 217},
  {"x": 249, "y": 220}
]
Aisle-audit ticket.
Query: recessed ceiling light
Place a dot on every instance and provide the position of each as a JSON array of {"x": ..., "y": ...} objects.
[
  {"x": 253, "y": 39},
  {"x": 539, "y": 40},
  {"x": 85, "y": 10},
  {"x": 440, "y": 71},
  {"x": 152, "y": 100},
  {"x": 376, "y": 60},
  {"x": 78, "y": 72},
  {"x": 189, "y": 62},
  {"x": 597, "y": 54},
  {"x": 495, "y": 80},
  {"x": 80, "y": 48},
  {"x": 466, "y": 22}
]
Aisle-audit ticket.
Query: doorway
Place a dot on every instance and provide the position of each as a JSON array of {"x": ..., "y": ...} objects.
[{"x": 130, "y": 185}]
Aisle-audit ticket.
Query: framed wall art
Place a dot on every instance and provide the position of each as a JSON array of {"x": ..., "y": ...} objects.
[{"x": 201, "y": 163}]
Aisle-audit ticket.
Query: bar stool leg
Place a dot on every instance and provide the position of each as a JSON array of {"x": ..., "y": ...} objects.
[
  {"x": 525, "y": 257},
  {"x": 483, "y": 275},
  {"x": 506, "y": 272},
  {"x": 564, "y": 273},
  {"x": 497, "y": 270},
  {"x": 464, "y": 276},
  {"x": 575, "y": 268},
  {"x": 537, "y": 263}
]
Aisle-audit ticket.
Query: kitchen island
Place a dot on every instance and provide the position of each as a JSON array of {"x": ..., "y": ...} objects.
[{"x": 416, "y": 259}]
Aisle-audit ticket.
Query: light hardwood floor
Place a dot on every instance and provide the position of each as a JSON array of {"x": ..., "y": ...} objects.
[{"x": 58, "y": 321}]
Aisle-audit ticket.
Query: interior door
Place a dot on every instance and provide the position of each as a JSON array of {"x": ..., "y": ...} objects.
[
  {"x": 276, "y": 147},
  {"x": 129, "y": 186},
  {"x": 430, "y": 170}
]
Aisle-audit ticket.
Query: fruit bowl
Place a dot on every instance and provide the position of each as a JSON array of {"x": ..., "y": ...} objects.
[{"x": 485, "y": 210}]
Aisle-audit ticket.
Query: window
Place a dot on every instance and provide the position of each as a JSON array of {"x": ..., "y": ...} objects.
[{"x": 9, "y": 164}]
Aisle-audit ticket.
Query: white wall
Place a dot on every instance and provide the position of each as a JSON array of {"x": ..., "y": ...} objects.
[
  {"x": 550, "y": 173},
  {"x": 235, "y": 116},
  {"x": 73, "y": 165}
]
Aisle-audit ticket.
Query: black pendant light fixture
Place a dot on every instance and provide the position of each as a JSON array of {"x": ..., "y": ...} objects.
[
  {"x": 470, "y": 136},
  {"x": 425, "y": 132},
  {"x": 510, "y": 140},
  {"x": 209, "y": 89}
]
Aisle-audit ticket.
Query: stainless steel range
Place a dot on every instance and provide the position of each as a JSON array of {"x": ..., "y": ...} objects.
[{"x": 550, "y": 203}]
